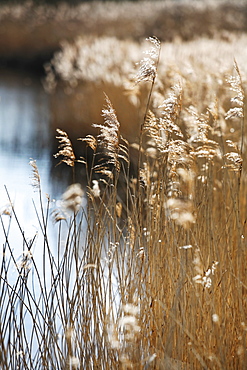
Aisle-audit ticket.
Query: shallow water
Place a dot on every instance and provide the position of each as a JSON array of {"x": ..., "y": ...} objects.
[
  {"x": 24, "y": 134},
  {"x": 24, "y": 129}
]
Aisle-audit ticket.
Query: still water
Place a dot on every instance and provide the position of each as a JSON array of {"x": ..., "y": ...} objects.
[{"x": 24, "y": 134}]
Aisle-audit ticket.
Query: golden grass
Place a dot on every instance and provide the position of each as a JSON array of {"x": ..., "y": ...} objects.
[
  {"x": 151, "y": 273},
  {"x": 80, "y": 78}
]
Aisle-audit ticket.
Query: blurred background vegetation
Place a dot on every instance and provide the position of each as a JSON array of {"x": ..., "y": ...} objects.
[
  {"x": 55, "y": 2},
  {"x": 31, "y": 31},
  {"x": 76, "y": 2}
]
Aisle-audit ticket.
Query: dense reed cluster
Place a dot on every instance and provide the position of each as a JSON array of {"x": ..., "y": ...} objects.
[
  {"x": 149, "y": 267},
  {"x": 78, "y": 79}
]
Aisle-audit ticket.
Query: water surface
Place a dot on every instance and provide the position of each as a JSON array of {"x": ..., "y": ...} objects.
[{"x": 25, "y": 134}]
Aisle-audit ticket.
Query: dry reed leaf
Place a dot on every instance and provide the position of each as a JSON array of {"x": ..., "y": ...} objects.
[
  {"x": 90, "y": 266},
  {"x": 119, "y": 208}
]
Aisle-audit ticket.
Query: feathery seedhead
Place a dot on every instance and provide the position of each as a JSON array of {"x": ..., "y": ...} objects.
[
  {"x": 148, "y": 66},
  {"x": 25, "y": 261},
  {"x": 58, "y": 215},
  {"x": 6, "y": 209},
  {"x": 66, "y": 150},
  {"x": 109, "y": 136},
  {"x": 172, "y": 105},
  {"x": 203, "y": 278},
  {"x": 127, "y": 325},
  {"x": 233, "y": 161},
  {"x": 181, "y": 211},
  {"x": 72, "y": 197},
  {"x": 96, "y": 189},
  {"x": 36, "y": 176},
  {"x": 236, "y": 86},
  {"x": 90, "y": 141},
  {"x": 164, "y": 128}
]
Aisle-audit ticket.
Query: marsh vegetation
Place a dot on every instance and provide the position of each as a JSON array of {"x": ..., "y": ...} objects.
[{"x": 149, "y": 266}]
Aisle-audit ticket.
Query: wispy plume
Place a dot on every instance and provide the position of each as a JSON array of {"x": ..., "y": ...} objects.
[
  {"x": 182, "y": 212},
  {"x": 24, "y": 263},
  {"x": 6, "y": 209},
  {"x": 94, "y": 191},
  {"x": 148, "y": 65},
  {"x": 233, "y": 161},
  {"x": 238, "y": 100},
  {"x": 65, "y": 149},
  {"x": 71, "y": 202},
  {"x": 162, "y": 129},
  {"x": 109, "y": 136},
  {"x": 170, "y": 109},
  {"x": 237, "y": 112},
  {"x": 203, "y": 277},
  {"x": 90, "y": 141},
  {"x": 36, "y": 176},
  {"x": 72, "y": 197}
]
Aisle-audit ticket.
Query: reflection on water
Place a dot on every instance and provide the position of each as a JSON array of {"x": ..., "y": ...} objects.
[
  {"x": 24, "y": 134},
  {"x": 24, "y": 114},
  {"x": 24, "y": 128}
]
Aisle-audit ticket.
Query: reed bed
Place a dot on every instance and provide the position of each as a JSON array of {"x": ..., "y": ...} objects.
[
  {"x": 80, "y": 73},
  {"x": 149, "y": 267},
  {"x": 39, "y": 27}
]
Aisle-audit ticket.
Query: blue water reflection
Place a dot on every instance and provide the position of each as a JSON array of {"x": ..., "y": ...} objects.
[{"x": 25, "y": 134}]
